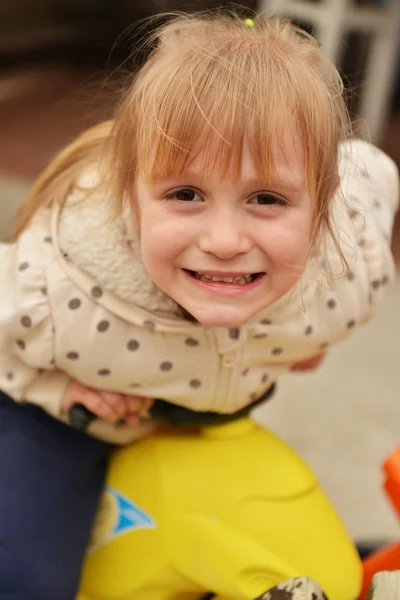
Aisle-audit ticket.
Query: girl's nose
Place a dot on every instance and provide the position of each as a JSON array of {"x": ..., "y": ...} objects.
[{"x": 225, "y": 237}]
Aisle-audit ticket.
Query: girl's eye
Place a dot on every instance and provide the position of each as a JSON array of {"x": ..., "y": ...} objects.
[
  {"x": 267, "y": 199},
  {"x": 184, "y": 195}
]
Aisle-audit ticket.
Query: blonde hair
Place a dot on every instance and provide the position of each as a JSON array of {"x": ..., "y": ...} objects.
[{"x": 209, "y": 83}]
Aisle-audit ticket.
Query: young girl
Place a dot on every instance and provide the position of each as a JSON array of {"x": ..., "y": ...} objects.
[{"x": 220, "y": 230}]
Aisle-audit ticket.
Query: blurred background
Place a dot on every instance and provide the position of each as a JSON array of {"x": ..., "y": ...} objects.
[{"x": 61, "y": 65}]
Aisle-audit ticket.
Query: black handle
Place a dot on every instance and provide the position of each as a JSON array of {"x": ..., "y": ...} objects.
[{"x": 80, "y": 417}]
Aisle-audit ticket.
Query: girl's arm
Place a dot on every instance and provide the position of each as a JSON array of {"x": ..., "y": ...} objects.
[
  {"x": 370, "y": 185},
  {"x": 27, "y": 358},
  {"x": 310, "y": 364},
  {"x": 27, "y": 369}
]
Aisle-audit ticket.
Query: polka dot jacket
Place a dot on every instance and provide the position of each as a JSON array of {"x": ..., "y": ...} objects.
[{"x": 76, "y": 303}]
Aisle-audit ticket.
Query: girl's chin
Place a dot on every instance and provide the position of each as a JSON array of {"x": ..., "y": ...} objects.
[{"x": 213, "y": 319}]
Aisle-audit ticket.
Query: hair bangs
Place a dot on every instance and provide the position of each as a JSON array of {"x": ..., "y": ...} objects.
[{"x": 220, "y": 100}]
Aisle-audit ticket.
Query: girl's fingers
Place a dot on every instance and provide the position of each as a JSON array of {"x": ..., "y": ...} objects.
[
  {"x": 148, "y": 403},
  {"x": 106, "y": 405},
  {"x": 95, "y": 403},
  {"x": 132, "y": 419},
  {"x": 117, "y": 402},
  {"x": 138, "y": 404}
]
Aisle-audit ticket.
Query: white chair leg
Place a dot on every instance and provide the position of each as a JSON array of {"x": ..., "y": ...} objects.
[
  {"x": 332, "y": 19},
  {"x": 380, "y": 74}
]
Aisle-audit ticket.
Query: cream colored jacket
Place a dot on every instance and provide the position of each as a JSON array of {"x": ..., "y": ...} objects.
[{"x": 76, "y": 303}]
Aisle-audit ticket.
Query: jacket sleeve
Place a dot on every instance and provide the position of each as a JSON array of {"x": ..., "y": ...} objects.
[
  {"x": 27, "y": 369},
  {"x": 370, "y": 184}
]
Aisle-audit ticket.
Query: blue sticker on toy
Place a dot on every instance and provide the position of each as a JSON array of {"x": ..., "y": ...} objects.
[{"x": 117, "y": 515}]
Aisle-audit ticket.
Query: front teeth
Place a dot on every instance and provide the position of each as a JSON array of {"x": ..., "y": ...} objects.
[{"x": 241, "y": 280}]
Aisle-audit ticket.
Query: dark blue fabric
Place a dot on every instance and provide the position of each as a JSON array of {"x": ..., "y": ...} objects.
[{"x": 51, "y": 478}]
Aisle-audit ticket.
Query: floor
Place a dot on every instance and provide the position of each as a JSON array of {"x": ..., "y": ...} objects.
[{"x": 344, "y": 418}]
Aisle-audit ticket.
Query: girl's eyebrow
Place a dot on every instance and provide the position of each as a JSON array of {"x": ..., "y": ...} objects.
[
  {"x": 290, "y": 185},
  {"x": 277, "y": 181},
  {"x": 175, "y": 179}
]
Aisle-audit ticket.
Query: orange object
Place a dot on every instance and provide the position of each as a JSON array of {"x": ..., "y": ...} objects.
[
  {"x": 391, "y": 468},
  {"x": 388, "y": 558}
]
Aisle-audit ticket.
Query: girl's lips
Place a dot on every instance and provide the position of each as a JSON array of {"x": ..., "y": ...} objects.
[{"x": 222, "y": 288}]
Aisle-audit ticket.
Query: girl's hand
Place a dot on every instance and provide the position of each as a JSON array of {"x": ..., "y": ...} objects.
[
  {"x": 310, "y": 364},
  {"x": 108, "y": 406}
]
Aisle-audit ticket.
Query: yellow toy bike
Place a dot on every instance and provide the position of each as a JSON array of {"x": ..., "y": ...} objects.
[{"x": 223, "y": 511}]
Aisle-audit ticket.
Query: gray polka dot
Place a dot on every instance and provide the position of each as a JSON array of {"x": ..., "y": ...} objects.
[
  {"x": 132, "y": 345},
  {"x": 364, "y": 173},
  {"x": 21, "y": 344},
  {"x": 277, "y": 351},
  {"x": 377, "y": 203},
  {"x": 166, "y": 366},
  {"x": 65, "y": 254},
  {"x": 309, "y": 330},
  {"x": 47, "y": 239},
  {"x": 245, "y": 372},
  {"x": 385, "y": 280},
  {"x": 73, "y": 355},
  {"x": 74, "y": 303},
  {"x": 376, "y": 284},
  {"x": 195, "y": 383},
  {"x": 265, "y": 322},
  {"x": 351, "y": 276},
  {"x": 353, "y": 214},
  {"x": 103, "y": 326},
  {"x": 9, "y": 376},
  {"x": 362, "y": 242},
  {"x": 134, "y": 385},
  {"x": 234, "y": 333},
  {"x": 331, "y": 303},
  {"x": 103, "y": 372},
  {"x": 97, "y": 292},
  {"x": 26, "y": 322},
  {"x": 23, "y": 266},
  {"x": 351, "y": 324},
  {"x": 149, "y": 324},
  {"x": 260, "y": 336},
  {"x": 52, "y": 362},
  {"x": 191, "y": 342},
  {"x": 264, "y": 378},
  {"x": 43, "y": 290},
  {"x": 324, "y": 345}
]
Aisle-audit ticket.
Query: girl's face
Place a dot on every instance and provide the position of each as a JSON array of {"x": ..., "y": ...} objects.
[{"x": 225, "y": 249}]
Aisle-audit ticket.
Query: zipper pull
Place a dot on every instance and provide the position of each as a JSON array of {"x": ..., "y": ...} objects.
[{"x": 228, "y": 360}]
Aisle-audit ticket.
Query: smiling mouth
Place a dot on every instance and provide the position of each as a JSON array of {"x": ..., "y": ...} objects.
[{"x": 230, "y": 279}]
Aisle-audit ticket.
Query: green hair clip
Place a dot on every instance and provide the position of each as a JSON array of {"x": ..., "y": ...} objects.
[{"x": 249, "y": 23}]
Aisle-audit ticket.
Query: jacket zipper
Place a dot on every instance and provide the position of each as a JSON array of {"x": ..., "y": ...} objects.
[{"x": 227, "y": 362}]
